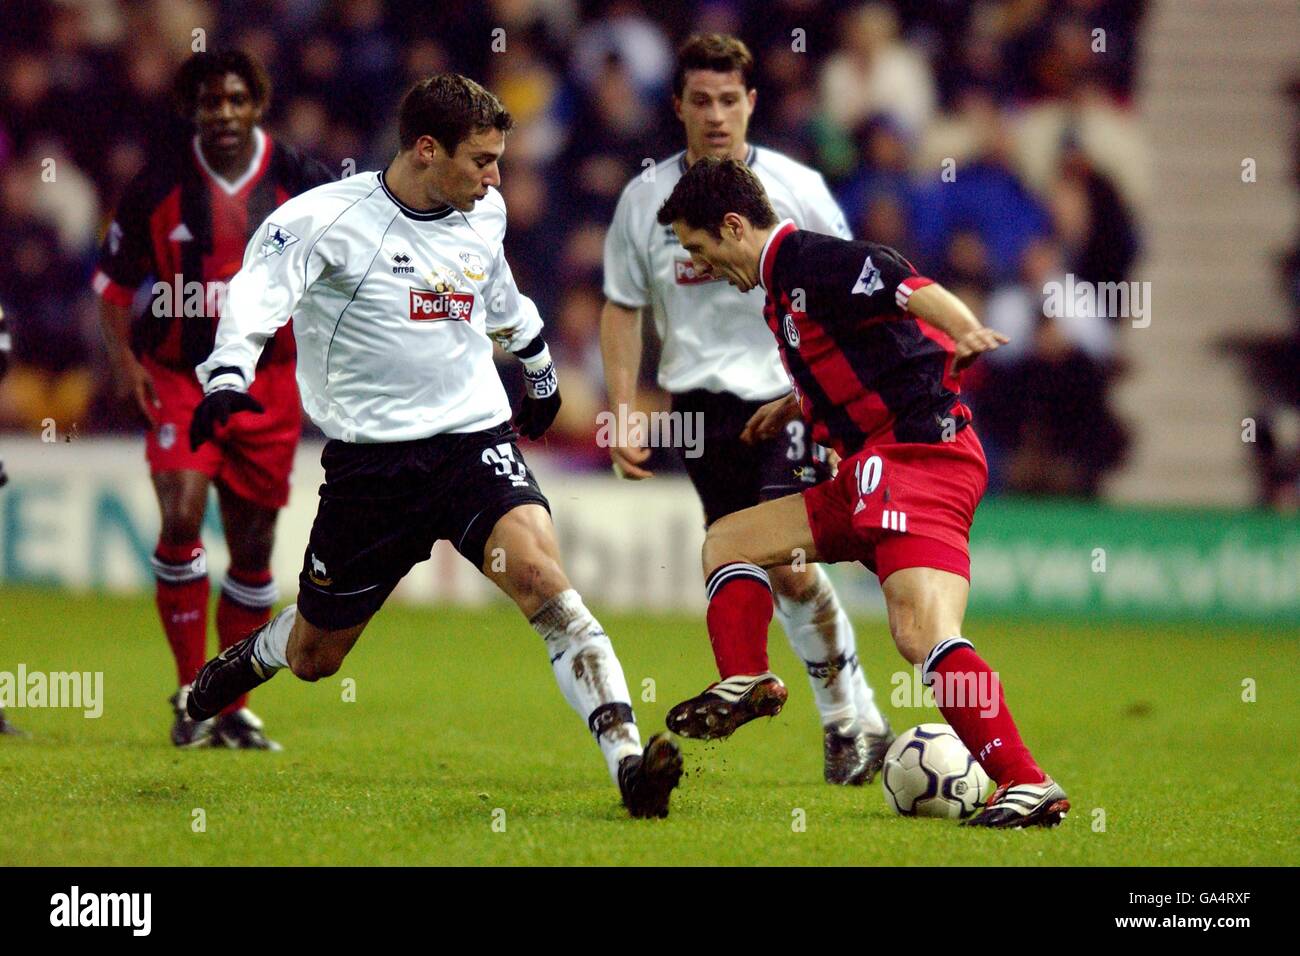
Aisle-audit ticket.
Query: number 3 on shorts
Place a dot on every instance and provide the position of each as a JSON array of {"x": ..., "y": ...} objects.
[
  {"x": 868, "y": 474},
  {"x": 795, "y": 450}
]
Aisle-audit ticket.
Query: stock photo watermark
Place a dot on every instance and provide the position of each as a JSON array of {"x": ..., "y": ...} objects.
[
  {"x": 981, "y": 689},
  {"x": 73, "y": 690},
  {"x": 626, "y": 428},
  {"x": 1112, "y": 300}
]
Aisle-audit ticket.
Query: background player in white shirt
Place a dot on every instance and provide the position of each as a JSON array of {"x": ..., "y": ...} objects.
[
  {"x": 398, "y": 286},
  {"x": 717, "y": 364}
]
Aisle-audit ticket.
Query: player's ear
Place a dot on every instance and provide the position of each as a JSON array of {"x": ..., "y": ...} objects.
[
  {"x": 427, "y": 148},
  {"x": 752, "y": 96},
  {"x": 677, "y": 107}
]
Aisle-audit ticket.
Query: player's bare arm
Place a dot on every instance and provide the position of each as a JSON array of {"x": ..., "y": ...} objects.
[
  {"x": 768, "y": 421},
  {"x": 940, "y": 308},
  {"x": 131, "y": 380},
  {"x": 620, "y": 350}
]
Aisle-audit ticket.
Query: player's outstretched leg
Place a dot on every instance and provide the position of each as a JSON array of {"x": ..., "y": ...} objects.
[
  {"x": 926, "y": 607},
  {"x": 582, "y": 658},
  {"x": 855, "y": 734},
  {"x": 287, "y": 640},
  {"x": 737, "y": 549},
  {"x": 241, "y": 667}
]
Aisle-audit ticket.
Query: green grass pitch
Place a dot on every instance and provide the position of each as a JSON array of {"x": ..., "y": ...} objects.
[{"x": 457, "y": 724}]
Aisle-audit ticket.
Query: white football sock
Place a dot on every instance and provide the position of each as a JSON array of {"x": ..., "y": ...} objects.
[
  {"x": 589, "y": 675},
  {"x": 821, "y": 634},
  {"x": 272, "y": 645}
]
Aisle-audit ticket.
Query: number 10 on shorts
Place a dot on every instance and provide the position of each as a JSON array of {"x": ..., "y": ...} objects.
[{"x": 868, "y": 474}]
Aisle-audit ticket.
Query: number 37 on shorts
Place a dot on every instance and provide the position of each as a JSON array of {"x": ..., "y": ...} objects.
[{"x": 505, "y": 464}]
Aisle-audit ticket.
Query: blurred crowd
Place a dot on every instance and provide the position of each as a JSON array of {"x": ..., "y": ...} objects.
[
  {"x": 1270, "y": 364},
  {"x": 991, "y": 141}
]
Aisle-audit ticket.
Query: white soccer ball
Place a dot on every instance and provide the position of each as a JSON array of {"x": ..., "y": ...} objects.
[{"x": 929, "y": 772}]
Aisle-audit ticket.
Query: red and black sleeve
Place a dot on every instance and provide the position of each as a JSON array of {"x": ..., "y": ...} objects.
[
  {"x": 126, "y": 256},
  {"x": 862, "y": 280}
]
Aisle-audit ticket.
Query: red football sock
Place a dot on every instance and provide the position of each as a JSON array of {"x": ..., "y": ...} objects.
[
  {"x": 740, "y": 609},
  {"x": 969, "y": 695},
  {"x": 244, "y": 605},
  {"x": 181, "y": 574}
]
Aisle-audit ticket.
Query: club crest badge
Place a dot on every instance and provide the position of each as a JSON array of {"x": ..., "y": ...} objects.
[{"x": 473, "y": 266}]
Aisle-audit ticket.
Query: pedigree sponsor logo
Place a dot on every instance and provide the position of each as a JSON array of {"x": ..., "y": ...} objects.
[
  {"x": 428, "y": 306},
  {"x": 685, "y": 273}
]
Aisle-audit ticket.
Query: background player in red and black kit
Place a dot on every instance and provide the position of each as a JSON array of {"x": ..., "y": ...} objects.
[
  {"x": 873, "y": 351},
  {"x": 183, "y": 223}
]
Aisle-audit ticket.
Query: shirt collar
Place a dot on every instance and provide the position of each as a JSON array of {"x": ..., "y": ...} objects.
[
  {"x": 232, "y": 186},
  {"x": 767, "y": 258},
  {"x": 424, "y": 215}
]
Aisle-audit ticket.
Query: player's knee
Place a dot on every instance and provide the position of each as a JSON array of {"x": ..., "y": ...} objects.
[
  {"x": 909, "y": 636},
  {"x": 180, "y": 524},
  {"x": 799, "y": 584},
  {"x": 722, "y": 544},
  {"x": 535, "y": 577}
]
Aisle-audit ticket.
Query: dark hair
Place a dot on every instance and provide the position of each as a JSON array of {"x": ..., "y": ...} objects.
[
  {"x": 713, "y": 51},
  {"x": 201, "y": 67},
  {"x": 712, "y": 188},
  {"x": 450, "y": 108}
]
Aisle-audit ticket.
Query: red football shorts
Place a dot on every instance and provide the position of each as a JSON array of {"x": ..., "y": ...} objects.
[
  {"x": 901, "y": 505},
  {"x": 252, "y": 454}
]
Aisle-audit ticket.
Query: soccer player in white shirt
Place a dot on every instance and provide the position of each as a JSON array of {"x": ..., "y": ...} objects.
[
  {"x": 397, "y": 287},
  {"x": 717, "y": 364}
]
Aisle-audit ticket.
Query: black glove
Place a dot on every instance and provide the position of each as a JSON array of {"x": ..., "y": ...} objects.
[
  {"x": 216, "y": 409},
  {"x": 541, "y": 401}
]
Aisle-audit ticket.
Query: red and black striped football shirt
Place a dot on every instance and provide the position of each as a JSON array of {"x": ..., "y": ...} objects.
[
  {"x": 183, "y": 227},
  {"x": 864, "y": 370}
]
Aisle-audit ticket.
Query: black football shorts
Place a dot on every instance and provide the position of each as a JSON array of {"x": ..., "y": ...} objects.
[
  {"x": 730, "y": 475},
  {"x": 384, "y": 505}
]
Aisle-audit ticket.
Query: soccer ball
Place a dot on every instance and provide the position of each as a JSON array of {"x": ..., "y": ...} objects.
[{"x": 929, "y": 773}]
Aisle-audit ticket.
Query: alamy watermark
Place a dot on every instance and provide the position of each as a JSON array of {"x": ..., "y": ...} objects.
[
  {"x": 1112, "y": 300},
  {"x": 980, "y": 689},
  {"x": 633, "y": 429},
  {"x": 132, "y": 911},
  {"x": 80, "y": 690}
]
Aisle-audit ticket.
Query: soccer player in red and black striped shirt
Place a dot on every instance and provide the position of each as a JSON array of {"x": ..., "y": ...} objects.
[
  {"x": 873, "y": 352},
  {"x": 183, "y": 223}
]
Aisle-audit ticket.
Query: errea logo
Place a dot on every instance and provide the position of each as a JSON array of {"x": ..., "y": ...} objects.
[{"x": 402, "y": 265}]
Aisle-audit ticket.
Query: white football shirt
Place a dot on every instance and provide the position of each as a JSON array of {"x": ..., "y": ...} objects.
[
  {"x": 714, "y": 336},
  {"x": 394, "y": 311}
]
